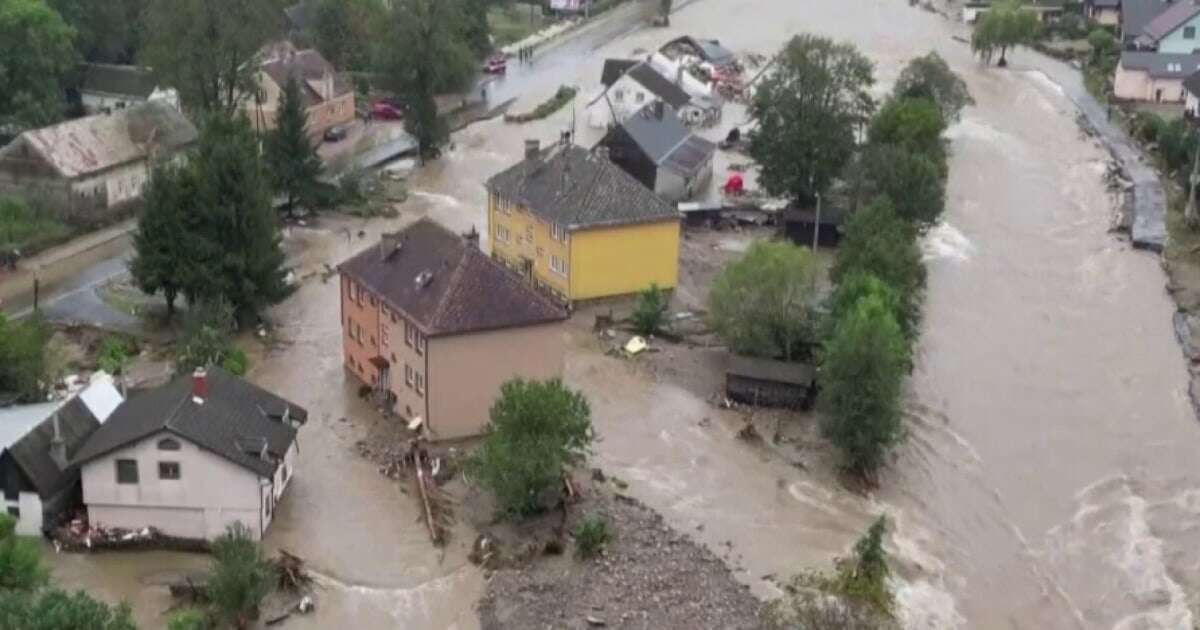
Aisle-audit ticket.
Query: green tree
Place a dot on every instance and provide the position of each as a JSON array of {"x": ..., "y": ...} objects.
[
  {"x": 808, "y": 111},
  {"x": 650, "y": 312},
  {"x": 239, "y": 257},
  {"x": 206, "y": 48},
  {"x": 1102, "y": 44},
  {"x": 347, "y": 31},
  {"x": 54, "y": 609},
  {"x": 913, "y": 179},
  {"x": 20, "y": 559},
  {"x": 108, "y": 32},
  {"x": 428, "y": 53},
  {"x": 476, "y": 30},
  {"x": 864, "y": 363},
  {"x": 23, "y": 357},
  {"x": 880, "y": 243},
  {"x": 806, "y": 609},
  {"x": 761, "y": 304},
  {"x": 930, "y": 77},
  {"x": 22, "y": 226},
  {"x": 537, "y": 430},
  {"x": 854, "y": 286},
  {"x": 291, "y": 159},
  {"x": 163, "y": 260},
  {"x": 188, "y": 619},
  {"x": 114, "y": 355},
  {"x": 36, "y": 52},
  {"x": 240, "y": 577},
  {"x": 915, "y": 124},
  {"x": 1007, "y": 24},
  {"x": 205, "y": 339}
]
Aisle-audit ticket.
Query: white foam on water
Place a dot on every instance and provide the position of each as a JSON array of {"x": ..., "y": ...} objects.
[
  {"x": 438, "y": 198},
  {"x": 918, "y": 581},
  {"x": 1143, "y": 560},
  {"x": 1042, "y": 80},
  {"x": 946, "y": 242}
]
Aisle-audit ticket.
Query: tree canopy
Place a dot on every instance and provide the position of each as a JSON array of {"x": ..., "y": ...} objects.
[
  {"x": 206, "y": 48},
  {"x": 109, "y": 31},
  {"x": 428, "y": 53},
  {"x": 240, "y": 576},
  {"x": 761, "y": 304},
  {"x": 912, "y": 179},
  {"x": 288, "y": 152},
  {"x": 1006, "y": 24},
  {"x": 208, "y": 231},
  {"x": 23, "y": 358},
  {"x": 930, "y": 77},
  {"x": 347, "y": 31},
  {"x": 864, "y": 364},
  {"x": 880, "y": 243},
  {"x": 537, "y": 429},
  {"x": 808, "y": 110},
  {"x": 36, "y": 51},
  {"x": 915, "y": 124}
]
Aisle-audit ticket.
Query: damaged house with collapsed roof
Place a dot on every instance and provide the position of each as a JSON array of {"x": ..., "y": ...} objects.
[
  {"x": 36, "y": 445},
  {"x": 84, "y": 168},
  {"x": 192, "y": 457},
  {"x": 434, "y": 327}
]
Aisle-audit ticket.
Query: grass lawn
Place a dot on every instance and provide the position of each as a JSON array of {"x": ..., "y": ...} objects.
[{"x": 512, "y": 23}]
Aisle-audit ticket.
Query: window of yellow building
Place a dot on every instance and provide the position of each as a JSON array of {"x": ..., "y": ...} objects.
[{"x": 558, "y": 265}]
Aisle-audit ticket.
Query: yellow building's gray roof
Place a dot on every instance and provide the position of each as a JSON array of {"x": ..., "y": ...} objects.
[{"x": 575, "y": 188}]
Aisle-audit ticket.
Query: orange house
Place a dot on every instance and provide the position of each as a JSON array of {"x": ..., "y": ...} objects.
[{"x": 435, "y": 326}]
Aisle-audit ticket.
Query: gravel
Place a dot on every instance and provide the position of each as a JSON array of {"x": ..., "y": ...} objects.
[{"x": 649, "y": 576}]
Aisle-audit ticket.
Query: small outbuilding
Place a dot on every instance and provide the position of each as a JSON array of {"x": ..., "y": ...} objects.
[
  {"x": 655, "y": 147},
  {"x": 770, "y": 383},
  {"x": 799, "y": 223}
]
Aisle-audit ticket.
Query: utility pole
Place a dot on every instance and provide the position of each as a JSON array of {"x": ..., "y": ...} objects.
[
  {"x": 1189, "y": 211},
  {"x": 817, "y": 224}
]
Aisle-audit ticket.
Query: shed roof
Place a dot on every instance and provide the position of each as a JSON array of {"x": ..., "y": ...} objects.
[
  {"x": 575, "y": 188},
  {"x": 105, "y": 78},
  {"x": 96, "y": 143},
  {"x": 464, "y": 291},
  {"x": 770, "y": 370},
  {"x": 1161, "y": 65},
  {"x": 233, "y": 412}
]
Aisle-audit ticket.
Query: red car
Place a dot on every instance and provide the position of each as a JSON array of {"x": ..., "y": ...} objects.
[
  {"x": 496, "y": 64},
  {"x": 384, "y": 110}
]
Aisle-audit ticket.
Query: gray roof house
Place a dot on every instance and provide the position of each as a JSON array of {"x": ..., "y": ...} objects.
[
  {"x": 192, "y": 457},
  {"x": 36, "y": 444},
  {"x": 1136, "y": 14},
  {"x": 656, "y": 148},
  {"x": 1153, "y": 76},
  {"x": 629, "y": 86},
  {"x": 1169, "y": 20},
  {"x": 88, "y": 165}
]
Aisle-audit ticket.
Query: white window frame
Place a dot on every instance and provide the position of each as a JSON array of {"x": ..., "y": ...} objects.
[
  {"x": 408, "y": 375},
  {"x": 420, "y": 343},
  {"x": 502, "y": 233},
  {"x": 558, "y": 232},
  {"x": 558, "y": 265},
  {"x": 410, "y": 333},
  {"x": 420, "y": 387}
]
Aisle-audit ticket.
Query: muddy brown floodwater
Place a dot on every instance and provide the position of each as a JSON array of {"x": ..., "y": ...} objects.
[{"x": 1048, "y": 479}]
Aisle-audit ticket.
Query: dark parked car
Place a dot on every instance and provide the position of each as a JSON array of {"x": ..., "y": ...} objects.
[{"x": 335, "y": 133}]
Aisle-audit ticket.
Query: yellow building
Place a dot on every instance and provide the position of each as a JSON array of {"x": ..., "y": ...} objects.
[{"x": 575, "y": 224}]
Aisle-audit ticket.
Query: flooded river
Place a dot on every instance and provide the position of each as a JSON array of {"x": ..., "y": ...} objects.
[{"x": 1048, "y": 479}]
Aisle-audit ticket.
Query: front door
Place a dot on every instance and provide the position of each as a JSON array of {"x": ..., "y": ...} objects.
[{"x": 527, "y": 268}]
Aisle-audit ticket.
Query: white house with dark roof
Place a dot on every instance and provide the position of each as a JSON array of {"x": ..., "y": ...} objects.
[
  {"x": 107, "y": 87},
  {"x": 1153, "y": 77},
  {"x": 192, "y": 457},
  {"x": 86, "y": 166},
  {"x": 328, "y": 98},
  {"x": 1173, "y": 30},
  {"x": 36, "y": 444},
  {"x": 628, "y": 86}
]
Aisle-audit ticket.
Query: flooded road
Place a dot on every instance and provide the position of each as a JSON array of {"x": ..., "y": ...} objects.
[{"x": 1048, "y": 479}]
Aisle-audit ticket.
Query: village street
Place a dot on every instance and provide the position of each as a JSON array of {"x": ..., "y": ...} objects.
[{"x": 1047, "y": 480}]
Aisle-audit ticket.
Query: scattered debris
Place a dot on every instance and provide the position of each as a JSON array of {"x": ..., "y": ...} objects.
[
  {"x": 636, "y": 346},
  {"x": 78, "y": 536},
  {"x": 290, "y": 571}
]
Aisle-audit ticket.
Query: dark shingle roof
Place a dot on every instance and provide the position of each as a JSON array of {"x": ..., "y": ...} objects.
[
  {"x": 111, "y": 79},
  {"x": 467, "y": 291},
  {"x": 659, "y": 85},
  {"x": 1165, "y": 23},
  {"x": 1161, "y": 65},
  {"x": 234, "y": 412},
  {"x": 574, "y": 188},
  {"x": 665, "y": 140},
  {"x": 614, "y": 69},
  {"x": 32, "y": 452}
]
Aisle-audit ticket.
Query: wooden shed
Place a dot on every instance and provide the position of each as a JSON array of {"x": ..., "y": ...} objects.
[{"x": 769, "y": 383}]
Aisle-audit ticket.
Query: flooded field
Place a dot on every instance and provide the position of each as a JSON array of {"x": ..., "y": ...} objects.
[{"x": 1048, "y": 479}]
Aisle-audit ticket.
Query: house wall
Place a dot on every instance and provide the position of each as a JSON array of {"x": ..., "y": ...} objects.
[
  {"x": 1138, "y": 85},
  {"x": 1106, "y": 16},
  {"x": 466, "y": 372},
  {"x": 624, "y": 259},
  {"x": 528, "y": 246},
  {"x": 211, "y": 493},
  {"x": 628, "y": 97},
  {"x": 321, "y": 116},
  {"x": 1177, "y": 41},
  {"x": 401, "y": 345},
  {"x": 360, "y": 330},
  {"x": 94, "y": 102},
  {"x": 29, "y": 507}
]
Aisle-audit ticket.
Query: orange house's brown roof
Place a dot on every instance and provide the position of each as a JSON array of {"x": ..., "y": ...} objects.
[{"x": 446, "y": 285}]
